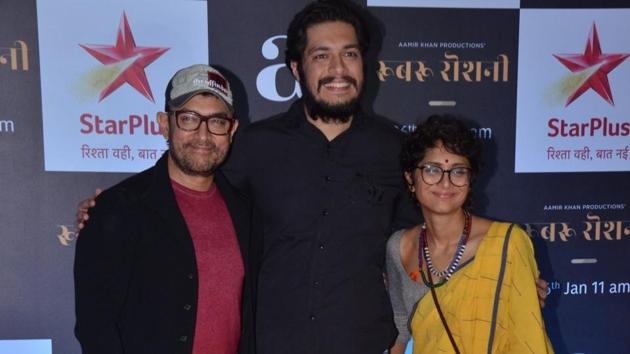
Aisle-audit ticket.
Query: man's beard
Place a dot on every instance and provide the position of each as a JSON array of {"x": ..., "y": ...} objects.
[
  {"x": 189, "y": 166},
  {"x": 326, "y": 112}
]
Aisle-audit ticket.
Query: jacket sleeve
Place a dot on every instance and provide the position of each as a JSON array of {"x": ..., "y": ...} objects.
[
  {"x": 236, "y": 167},
  {"x": 101, "y": 275}
]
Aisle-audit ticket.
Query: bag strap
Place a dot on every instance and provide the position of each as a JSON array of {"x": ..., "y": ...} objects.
[
  {"x": 497, "y": 292},
  {"x": 439, "y": 310}
]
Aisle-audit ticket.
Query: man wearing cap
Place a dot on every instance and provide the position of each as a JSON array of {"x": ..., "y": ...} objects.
[{"x": 160, "y": 266}]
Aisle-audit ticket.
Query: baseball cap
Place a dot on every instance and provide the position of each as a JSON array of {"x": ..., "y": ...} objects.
[{"x": 194, "y": 80}]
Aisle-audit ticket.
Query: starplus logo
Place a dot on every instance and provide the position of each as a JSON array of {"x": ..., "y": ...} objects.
[
  {"x": 590, "y": 70},
  {"x": 123, "y": 62}
]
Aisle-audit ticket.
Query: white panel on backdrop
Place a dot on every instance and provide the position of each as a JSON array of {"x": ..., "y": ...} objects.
[
  {"x": 104, "y": 67},
  {"x": 266, "y": 79},
  {"x": 26, "y": 346},
  {"x": 573, "y": 104},
  {"x": 471, "y": 4}
]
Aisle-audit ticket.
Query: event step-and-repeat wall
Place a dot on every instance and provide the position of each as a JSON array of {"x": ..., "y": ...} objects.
[{"x": 545, "y": 84}]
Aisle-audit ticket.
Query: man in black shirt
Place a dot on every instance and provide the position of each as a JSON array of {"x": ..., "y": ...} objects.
[{"x": 326, "y": 178}]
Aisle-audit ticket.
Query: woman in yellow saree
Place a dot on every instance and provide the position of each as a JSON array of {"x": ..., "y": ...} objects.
[{"x": 480, "y": 273}]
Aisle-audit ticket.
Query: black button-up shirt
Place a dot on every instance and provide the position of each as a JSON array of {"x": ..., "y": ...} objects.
[{"x": 328, "y": 208}]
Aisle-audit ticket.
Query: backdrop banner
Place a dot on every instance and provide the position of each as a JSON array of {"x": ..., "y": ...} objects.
[{"x": 545, "y": 85}]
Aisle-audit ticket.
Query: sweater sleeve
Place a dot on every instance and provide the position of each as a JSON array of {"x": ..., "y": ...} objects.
[{"x": 396, "y": 287}]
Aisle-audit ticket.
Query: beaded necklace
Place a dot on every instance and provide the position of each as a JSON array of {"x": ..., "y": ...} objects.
[{"x": 423, "y": 250}]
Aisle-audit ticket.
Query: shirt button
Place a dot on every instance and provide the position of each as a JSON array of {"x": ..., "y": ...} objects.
[
  {"x": 316, "y": 284},
  {"x": 325, "y": 212},
  {"x": 328, "y": 178},
  {"x": 187, "y": 307},
  {"x": 183, "y": 339},
  {"x": 191, "y": 276},
  {"x": 321, "y": 246},
  {"x": 312, "y": 317}
]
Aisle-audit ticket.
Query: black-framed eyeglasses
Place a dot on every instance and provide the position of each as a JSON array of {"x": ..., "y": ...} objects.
[
  {"x": 458, "y": 176},
  {"x": 190, "y": 121}
]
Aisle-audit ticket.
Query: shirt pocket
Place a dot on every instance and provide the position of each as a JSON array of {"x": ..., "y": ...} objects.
[{"x": 365, "y": 189}]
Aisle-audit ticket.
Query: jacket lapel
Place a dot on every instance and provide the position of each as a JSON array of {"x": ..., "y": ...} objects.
[
  {"x": 160, "y": 197},
  {"x": 239, "y": 210}
]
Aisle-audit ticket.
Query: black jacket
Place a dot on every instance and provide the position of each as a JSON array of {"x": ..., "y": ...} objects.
[{"x": 135, "y": 269}]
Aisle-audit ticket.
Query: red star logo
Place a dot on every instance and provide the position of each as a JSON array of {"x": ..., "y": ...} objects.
[
  {"x": 137, "y": 59},
  {"x": 593, "y": 59}
]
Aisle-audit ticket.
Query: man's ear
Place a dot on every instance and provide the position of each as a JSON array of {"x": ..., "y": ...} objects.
[
  {"x": 162, "y": 119},
  {"x": 295, "y": 70}
]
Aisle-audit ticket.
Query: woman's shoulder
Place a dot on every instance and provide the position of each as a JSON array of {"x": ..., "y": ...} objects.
[
  {"x": 401, "y": 237},
  {"x": 502, "y": 231},
  {"x": 393, "y": 244},
  {"x": 395, "y": 236},
  {"x": 506, "y": 228},
  {"x": 401, "y": 243},
  {"x": 500, "y": 228}
]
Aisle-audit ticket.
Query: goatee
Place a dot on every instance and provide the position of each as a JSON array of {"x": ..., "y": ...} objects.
[
  {"x": 324, "y": 111},
  {"x": 187, "y": 165}
]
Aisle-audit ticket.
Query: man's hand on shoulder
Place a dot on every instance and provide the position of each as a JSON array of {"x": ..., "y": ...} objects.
[
  {"x": 542, "y": 288},
  {"x": 83, "y": 207}
]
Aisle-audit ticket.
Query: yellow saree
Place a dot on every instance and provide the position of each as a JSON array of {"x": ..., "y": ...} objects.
[{"x": 490, "y": 303}]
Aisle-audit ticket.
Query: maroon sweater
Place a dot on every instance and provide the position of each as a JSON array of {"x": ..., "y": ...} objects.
[{"x": 220, "y": 268}]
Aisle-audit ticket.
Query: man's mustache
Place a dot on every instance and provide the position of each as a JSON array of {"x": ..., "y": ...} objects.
[
  {"x": 330, "y": 79},
  {"x": 205, "y": 145}
]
